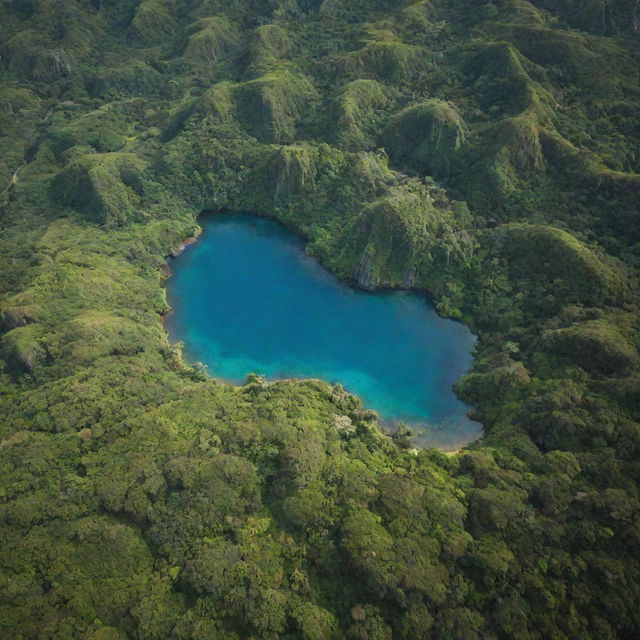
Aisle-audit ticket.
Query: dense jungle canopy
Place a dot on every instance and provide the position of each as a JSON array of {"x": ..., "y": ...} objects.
[{"x": 486, "y": 153}]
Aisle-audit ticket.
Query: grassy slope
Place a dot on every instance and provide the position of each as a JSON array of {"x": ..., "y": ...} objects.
[{"x": 140, "y": 499}]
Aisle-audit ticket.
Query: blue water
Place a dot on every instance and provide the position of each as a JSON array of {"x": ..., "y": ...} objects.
[{"x": 246, "y": 298}]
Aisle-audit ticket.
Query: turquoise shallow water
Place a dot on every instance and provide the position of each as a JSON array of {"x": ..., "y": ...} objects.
[{"x": 246, "y": 298}]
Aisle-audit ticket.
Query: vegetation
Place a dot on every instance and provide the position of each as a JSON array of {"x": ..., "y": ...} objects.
[{"x": 484, "y": 153}]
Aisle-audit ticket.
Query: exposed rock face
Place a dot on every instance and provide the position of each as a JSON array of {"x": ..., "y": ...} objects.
[
  {"x": 519, "y": 140},
  {"x": 410, "y": 276},
  {"x": 15, "y": 317},
  {"x": 364, "y": 273},
  {"x": 54, "y": 65},
  {"x": 21, "y": 347},
  {"x": 392, "y": 237},
  {"x": 209, "y": 40},
  {"x": 292, "y": 169},
  {"x": 28, "y": 54}
]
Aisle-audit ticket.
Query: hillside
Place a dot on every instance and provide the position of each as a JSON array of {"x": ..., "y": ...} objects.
[{"x": 486, "y": 154}]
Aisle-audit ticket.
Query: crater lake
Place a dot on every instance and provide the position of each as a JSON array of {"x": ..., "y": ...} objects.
[{"x": 247, "y": 298}]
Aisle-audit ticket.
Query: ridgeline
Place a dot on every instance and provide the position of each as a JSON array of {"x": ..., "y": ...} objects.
[{"x": 485, "y": 153}]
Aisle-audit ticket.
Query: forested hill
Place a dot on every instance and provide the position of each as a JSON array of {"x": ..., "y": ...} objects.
[{"x": 485, "y": 153}]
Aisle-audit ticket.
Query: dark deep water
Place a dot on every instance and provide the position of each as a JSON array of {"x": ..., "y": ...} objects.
[{"x": 246, "y": 298}]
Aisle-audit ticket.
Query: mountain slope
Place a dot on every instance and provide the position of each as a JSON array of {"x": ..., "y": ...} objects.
[{"x": 487, "y": 154}]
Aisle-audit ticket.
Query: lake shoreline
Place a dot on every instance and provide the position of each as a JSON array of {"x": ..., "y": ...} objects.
[
  {"x": 302, "y": 242},
  {"x": 348, "y": 281}
]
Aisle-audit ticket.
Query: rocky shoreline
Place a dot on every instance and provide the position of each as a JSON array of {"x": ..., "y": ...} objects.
[{"x": 186, "y": 243}]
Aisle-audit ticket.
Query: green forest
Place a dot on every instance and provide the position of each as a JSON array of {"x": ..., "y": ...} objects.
[{"x": 484, "y": 153}]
